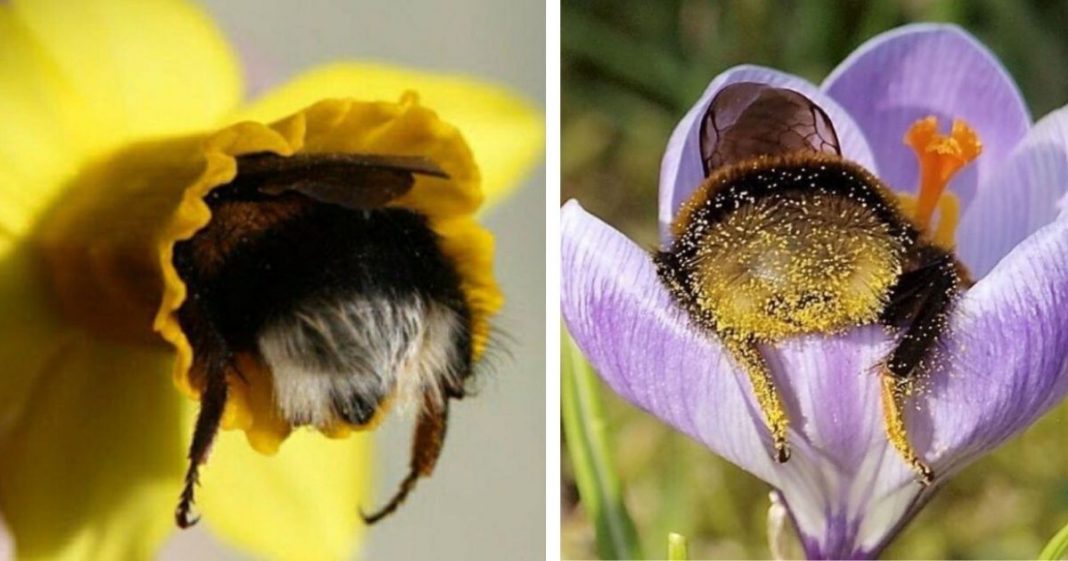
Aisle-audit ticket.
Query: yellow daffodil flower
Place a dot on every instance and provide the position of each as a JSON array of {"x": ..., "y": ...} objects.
[{"x": 118, "y": 117}]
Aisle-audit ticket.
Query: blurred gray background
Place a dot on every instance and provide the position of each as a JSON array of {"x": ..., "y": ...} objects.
[{"x": 487, "y": 496}]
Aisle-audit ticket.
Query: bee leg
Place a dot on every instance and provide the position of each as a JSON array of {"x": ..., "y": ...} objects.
[
  {"x": 746, "y": 353},
  {"x": 921, "y": 301},
  {"x": 894, "y": 392},
  {"x": 214, "y": 359},
  {"x": 426, "y": 447}
]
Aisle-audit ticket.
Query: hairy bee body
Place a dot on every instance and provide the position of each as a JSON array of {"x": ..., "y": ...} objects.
[
  {"x": 788, "y": 245},
  {"x": 342, "y": 305},
  {"x": 347, "y": 303},
  {"x": 785, "y": 237}
]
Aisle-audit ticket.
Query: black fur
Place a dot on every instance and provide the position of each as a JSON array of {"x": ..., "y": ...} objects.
[
  {"x": 327, "y": 253},
  {"x": 308, "y": 251},
  {"x": 920, "y": 303}
]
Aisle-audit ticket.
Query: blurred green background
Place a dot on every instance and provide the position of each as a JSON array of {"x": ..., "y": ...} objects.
[{"x": 631, "y": 69}]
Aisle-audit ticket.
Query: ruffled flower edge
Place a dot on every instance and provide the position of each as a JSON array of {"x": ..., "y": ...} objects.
[{"x": 402, "y": 128}]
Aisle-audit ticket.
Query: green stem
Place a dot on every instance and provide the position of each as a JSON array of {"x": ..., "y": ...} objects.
[
  {"x": 598, "y": 486},
  {"x": 1056, "y": 547},
  {"x": 677, "y": 548}
]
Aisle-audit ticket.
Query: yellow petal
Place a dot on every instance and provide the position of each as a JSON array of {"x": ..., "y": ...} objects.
[
  {"x": 302, "y": 503},
  {"x": 78, "y": 78},
  {"x": 471, "y": 247},
  {"x": 142, "y": 68},
  {"x": 505, "y": 132},
  {"x": 91, "y": 468},
  {"x": 32, "y": 334},
  {"x": 46, "y": 133}
]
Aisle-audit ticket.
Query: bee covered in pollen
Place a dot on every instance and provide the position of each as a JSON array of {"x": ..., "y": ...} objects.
[
  {"x": 784, "y": 237},
  {"x": 309, "y": 277}
]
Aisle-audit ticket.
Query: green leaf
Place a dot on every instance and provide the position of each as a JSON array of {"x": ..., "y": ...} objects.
[
  {"x": 1056, "y": 547},
  {"x": 638, "y": 65},
  {"x": 677, "y": 548},
  {"x": 584, "y": 430}
]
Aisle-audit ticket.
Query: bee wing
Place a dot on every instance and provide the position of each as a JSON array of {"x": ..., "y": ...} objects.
[
  {"x": 747, "y": 120},
  {"x": 357, "y": 181}
]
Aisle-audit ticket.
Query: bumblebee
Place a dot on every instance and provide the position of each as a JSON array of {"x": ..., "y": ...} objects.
[
  {"x": 784, "y": 237},
  {"x": 305, "y": 271}
]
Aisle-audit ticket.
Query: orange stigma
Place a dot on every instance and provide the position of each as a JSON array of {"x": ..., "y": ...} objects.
[{"x": 940, "y": 157}]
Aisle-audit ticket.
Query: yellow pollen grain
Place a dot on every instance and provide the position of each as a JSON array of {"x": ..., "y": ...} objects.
[
  {"x": 774, "y": 269},
  {"x": 939, "y": 158},
  {"x": 893, "y": 394},
  {"x": 768, "y": 399}
]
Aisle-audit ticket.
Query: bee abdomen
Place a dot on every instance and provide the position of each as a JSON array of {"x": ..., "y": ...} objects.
[
  {"x": 336, "y": 360},
  {"x": 784, "y": 247},
  {"x": 348, "y": 309}
]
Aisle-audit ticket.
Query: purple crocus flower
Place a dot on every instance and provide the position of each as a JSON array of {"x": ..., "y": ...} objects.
[{"x": 847, "y": 490}]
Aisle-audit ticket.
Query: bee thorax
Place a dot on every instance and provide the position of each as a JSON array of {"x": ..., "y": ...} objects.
[{"x": 337, "y": 360}]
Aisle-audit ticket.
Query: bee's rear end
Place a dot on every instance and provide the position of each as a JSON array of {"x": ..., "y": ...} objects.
[{"x": 342, "y": 304}]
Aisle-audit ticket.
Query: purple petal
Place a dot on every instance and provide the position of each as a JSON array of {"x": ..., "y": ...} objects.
[
  {"x": 1009, "y": 364},
  {"x": 929, "y": 69},
  {"x": 629, "y": 329},
  {"x": 845, "y": 488},
  {"x": 1023, "y": 195},
  {"x": 681, "y": 171}
]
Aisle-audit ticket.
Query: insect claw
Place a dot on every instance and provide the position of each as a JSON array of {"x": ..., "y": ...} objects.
[
  {"x": 782, "y": 452},
  {"x": 926, "y": 476},
  {"x": 181, "y": 517}
]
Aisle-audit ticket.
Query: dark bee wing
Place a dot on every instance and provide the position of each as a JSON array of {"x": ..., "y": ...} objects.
[
  {"x": 746, "y": 120},
  {"x": 357, "y": 181}
]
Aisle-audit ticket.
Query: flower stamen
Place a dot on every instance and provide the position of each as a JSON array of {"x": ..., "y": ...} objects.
[
  {"x": 948, "y": 217},
  {"x": 940, "y": 157}
]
